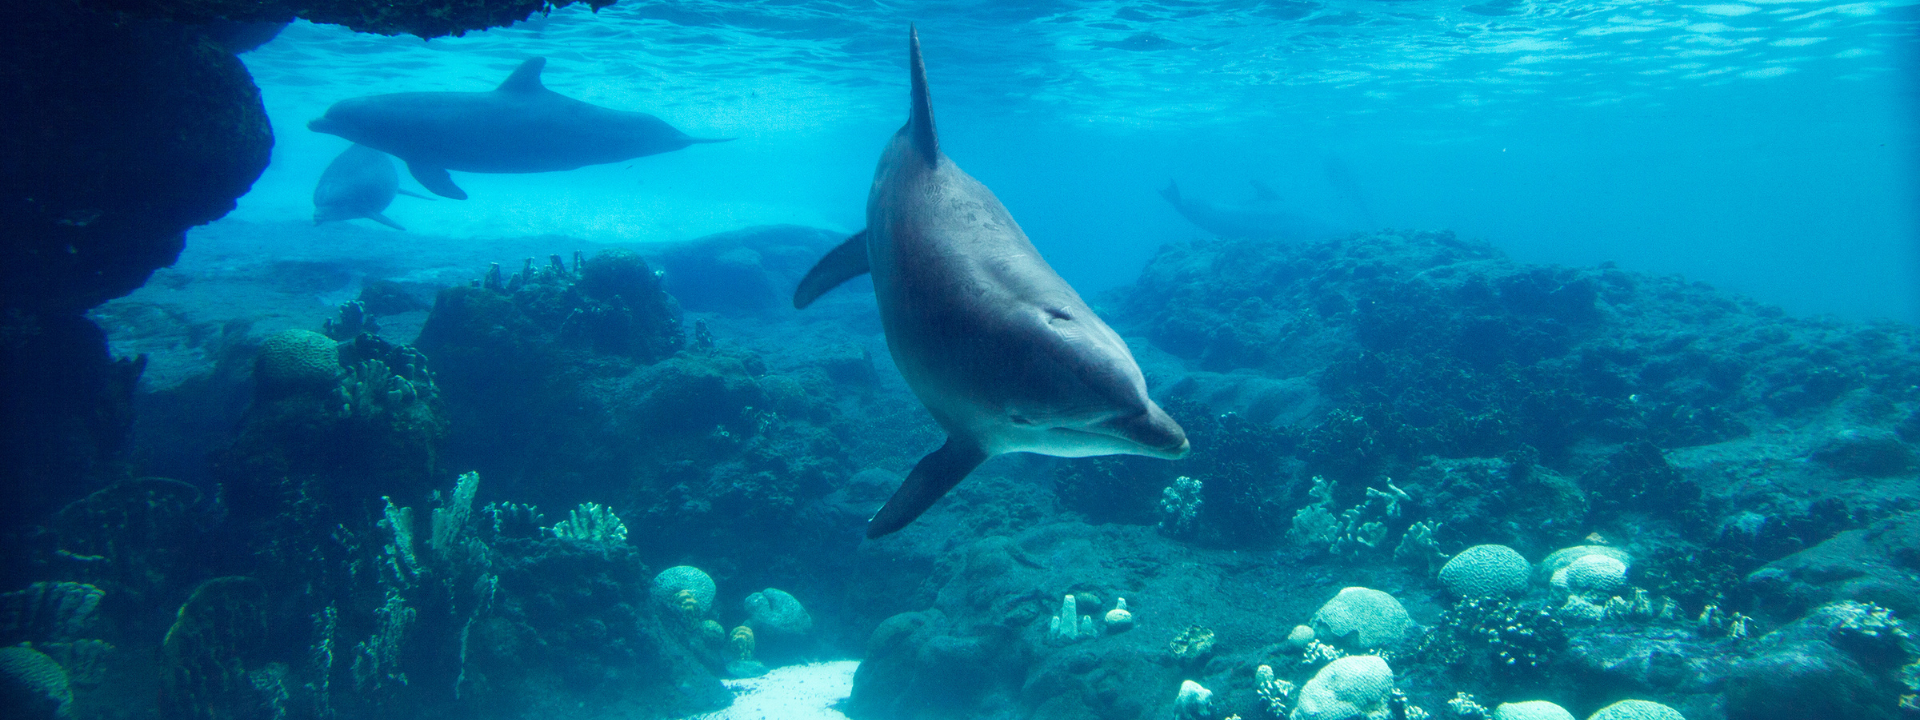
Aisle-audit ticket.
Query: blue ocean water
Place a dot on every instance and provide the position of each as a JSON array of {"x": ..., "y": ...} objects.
[{"x": 1766, "y": 147}]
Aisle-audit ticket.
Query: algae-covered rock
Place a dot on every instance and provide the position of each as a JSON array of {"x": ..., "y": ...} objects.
[
  {"x": 1360, "y": 619},
  {"x": 1348, "y": 688},
  {"x": 670, "y": 582},
  {"x": 1485, "y": 571}
]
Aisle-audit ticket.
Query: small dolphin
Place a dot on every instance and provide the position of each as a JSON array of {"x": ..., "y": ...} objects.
[
  {"x": 360, "y": 183},
  {"x": 519, "y": 127},
  {"x": 1262, "y": 217},
  {"x": 1001, "y": 351}
]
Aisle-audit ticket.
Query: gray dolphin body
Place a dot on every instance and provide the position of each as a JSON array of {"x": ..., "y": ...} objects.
[
  {"x": 999, "y": 348},
  {"x": 519, "y": 127},
  {"x": 1262, "y": 217},
  {"x": 360, "y": 183}
]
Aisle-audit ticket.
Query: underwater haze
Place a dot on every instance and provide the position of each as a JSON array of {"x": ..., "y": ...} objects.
[
  {"x": 1768, "y": 148},
  {"x": 960, "y": 360}
]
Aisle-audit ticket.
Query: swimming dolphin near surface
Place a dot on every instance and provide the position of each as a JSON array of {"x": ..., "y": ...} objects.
[
  {"x": 360, "y": 183},
  {"x": 1262, "y": 217},
  {"x": 1000, "y": 350},
  {"x": 519, "y": 127}
]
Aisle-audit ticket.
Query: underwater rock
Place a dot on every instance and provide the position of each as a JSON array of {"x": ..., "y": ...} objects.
[
  {"x": 1361, "y": 619},
  {"x": 751, "y": 271},
  {"x": 1346, "y": 689},
  {"x": 32, "y": 685},
  {"x": 1486, "y": 571},
  {"x": 1866, "y": 453},
  {"x": 1879, "y": 563},
  {"x": 1194, "y": 702},
  {"x": 137, "y": 131},
  {"x": 48, "y": 612}
]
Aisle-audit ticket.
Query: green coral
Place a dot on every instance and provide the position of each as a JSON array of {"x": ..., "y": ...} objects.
[
  {"x": 33, "y": 685},
  {"x": 296, "y": 361}
]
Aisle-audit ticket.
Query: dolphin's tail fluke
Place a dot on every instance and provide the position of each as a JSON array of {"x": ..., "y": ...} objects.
[
  {"x": 920, "y": 120},
  {"x": 1171, "y": 192}
]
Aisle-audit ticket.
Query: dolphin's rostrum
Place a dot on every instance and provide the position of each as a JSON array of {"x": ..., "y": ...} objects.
[
  {"x": 999, "y": 348},
  {"x": 519, "y": 127}
]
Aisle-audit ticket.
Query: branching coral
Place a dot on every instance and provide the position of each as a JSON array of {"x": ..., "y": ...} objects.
[
  {"x": 592, "y": 525},
  {"x": 1351, "y": 532}
]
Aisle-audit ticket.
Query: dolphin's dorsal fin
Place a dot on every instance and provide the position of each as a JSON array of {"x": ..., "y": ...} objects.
[
  {"x": 525, "y": 78},
  {"x": 920, "y": 120},
  {"x": 1171, "y": 192},
  {"x": 1262, "y": 192}
]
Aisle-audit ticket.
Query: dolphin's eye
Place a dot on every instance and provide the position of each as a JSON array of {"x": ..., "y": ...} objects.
[
  {"x": 1058, "y": 314},
  {"x": 1019, "y": 419}
]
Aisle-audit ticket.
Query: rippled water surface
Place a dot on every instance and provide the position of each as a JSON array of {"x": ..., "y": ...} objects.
[{"x": 1767, "y": 146}]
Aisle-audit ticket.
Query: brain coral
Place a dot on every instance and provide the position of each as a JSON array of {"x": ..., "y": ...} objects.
[
  {"x": 32, "y": 684},
  {"x": 776, "y": 611},
  {"x": 1350, "y": 687},
  {"x": 1637, "y": 710},
  {"x": 295, "y": 360},
  {"x": 1486, "y": 570},
  {"x": 1592, "y": 573},
  {"x": 1563, "y": 557},
  {"x": 683, "y": 577},
  {"x": 1531, "y": 710},
  {"x": 1361, "y": 618}
]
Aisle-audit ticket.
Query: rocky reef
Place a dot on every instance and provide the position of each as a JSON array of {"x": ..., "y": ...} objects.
[{"x": 1427, "y": 482}]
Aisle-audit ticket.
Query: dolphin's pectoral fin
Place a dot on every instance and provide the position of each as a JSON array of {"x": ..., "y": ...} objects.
[
  {"x": 1171, "y": 192},
  {"x": 525, "y": 78},
  {"x": 935, "y": 474},
  {"x": 383, "y": 220},
  {"x": 436, "y": 180},
  {"x": 843, "y": 263},
  {"x": 1262, "y": 192},
  {"x": 410, "y": 193}
]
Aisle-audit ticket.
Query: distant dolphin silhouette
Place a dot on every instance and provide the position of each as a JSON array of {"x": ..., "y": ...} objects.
[
  {"x": 360, "y": 183},
  {"x": 1002, "y": 352},
  {"x": 1262, "y": 217},
  {"x": 519, "y": 127}
]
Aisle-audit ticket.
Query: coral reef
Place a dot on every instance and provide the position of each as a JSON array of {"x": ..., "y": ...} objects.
[
  {"x": 1350, "y": 687},
  {"x": 671, "y": 582}
]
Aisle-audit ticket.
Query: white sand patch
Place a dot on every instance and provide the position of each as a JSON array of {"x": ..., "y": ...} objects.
[{"x": 794, "y": 692}]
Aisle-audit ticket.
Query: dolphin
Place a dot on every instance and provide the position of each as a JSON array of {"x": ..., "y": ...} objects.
[
  {"x": 519, "y": 127},
  {"x": 1262, "y": 217},
  {"x": 360, "y": 183},
  {"x": 1001, "y": 351}
]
